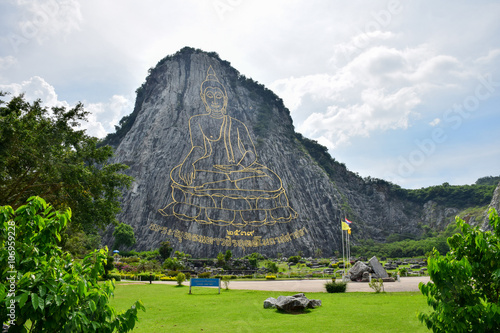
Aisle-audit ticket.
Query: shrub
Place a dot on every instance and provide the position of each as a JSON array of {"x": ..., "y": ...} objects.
[
  {"x": 180, "y": 278},
  {"x": 377, "y": 285},
  {"x": 173, "y": 273},
  {"x": 225, "y": 280},
  {"x": 465, "y": 283},
  {"x": 146, "y": 276},
  {"x": 56, "y": 293},
  {"x": 204, "y": 275},
  {"x": 294, "y": 259},
  {"x": 336, "y": 287},
  {"x": 115, "y": 276},
  {"x": 270, "y": 277},
  {"x": 168, "y": 278}
]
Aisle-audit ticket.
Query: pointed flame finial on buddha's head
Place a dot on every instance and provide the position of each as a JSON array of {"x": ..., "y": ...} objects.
[{"x": 213, "y": 94}]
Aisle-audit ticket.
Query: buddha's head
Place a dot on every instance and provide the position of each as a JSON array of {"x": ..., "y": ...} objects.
[{"x": 213, "y": 95}]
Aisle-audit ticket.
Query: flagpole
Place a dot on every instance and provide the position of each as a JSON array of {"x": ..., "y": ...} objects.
[
  {"x": 348, "y": 242},
  {"x": 343, "y": 247}
]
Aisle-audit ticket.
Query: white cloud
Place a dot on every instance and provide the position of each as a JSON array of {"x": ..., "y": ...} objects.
[
  {"x": 42, "y": 19},
  {"x": 33, "y": 89},
  {"x": 7, "y": 62},
  {"x": 102, "y": 118},
  {"x": 379, "y": 89}
]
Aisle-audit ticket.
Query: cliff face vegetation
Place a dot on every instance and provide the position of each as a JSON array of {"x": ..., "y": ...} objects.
[{"x": 218, "y": 165}]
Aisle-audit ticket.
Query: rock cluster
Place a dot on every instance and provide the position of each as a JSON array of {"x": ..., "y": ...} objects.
[
  {"x": 361, "y": 271},
  {"x": 292, "y": 304}
]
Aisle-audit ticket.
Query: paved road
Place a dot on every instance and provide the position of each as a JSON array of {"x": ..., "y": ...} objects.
[{"x": 406, "y": 284}]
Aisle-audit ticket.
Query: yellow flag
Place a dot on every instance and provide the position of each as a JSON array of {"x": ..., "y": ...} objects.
[
  {"x": 345, "y": 226},
  {"x": 349, "y": 231}
]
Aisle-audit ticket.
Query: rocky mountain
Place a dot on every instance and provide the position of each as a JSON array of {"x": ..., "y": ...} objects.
[{"x": 217, "y": 166}]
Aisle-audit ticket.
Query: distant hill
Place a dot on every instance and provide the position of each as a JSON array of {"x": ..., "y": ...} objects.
[{"x": 279, "y": 192}]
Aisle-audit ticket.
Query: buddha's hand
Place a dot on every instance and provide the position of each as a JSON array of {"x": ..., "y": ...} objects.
[
  {"x": 228, "y": 167},
  {"x": 187, "y": 173}
]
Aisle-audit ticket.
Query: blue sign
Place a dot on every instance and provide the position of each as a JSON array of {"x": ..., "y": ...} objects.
[{"x": 204, "y": 283}]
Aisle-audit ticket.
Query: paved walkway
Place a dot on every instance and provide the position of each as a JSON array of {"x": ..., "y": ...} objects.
[{"x": 406, "y": 284}]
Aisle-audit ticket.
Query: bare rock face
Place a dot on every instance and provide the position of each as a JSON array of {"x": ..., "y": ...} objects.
[
  {"x": 218, "y": 166},
  {"x": 495, "y": 204},
  {"x": 378, "y": 270}
]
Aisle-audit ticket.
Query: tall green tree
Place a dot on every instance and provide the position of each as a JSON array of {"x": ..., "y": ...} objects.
[
  {"x": 124, "y": 236},
  {"x": 42, "y": 152},
  {"x": 165, "y": 250},
  {"x": 43, "y": 289},
  {"x": 464, "y": 291}
]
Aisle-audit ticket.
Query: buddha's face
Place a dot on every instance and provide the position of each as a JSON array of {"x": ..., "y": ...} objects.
[{"x": 215, "y": 101}]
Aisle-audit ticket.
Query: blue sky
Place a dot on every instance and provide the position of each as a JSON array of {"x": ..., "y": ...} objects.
[{"x": 404, "y": 91}]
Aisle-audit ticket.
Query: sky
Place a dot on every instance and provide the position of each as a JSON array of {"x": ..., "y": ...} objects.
[{"x": 404, "y": 91}]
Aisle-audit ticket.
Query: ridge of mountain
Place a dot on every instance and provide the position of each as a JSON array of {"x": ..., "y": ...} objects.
[{"x": 313, "y": 189}]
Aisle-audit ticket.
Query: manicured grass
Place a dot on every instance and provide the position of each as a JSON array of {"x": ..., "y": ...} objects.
[{"x": 171, "y": 309}]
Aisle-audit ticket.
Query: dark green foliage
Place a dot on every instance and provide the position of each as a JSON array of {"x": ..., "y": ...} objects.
[
  {"x": 165, "y": 250},
  {"x": 228, "y": 255},
  {"x": 109, "y": 265},
  {"x": 489, "y": 180},
  {"x": 272, "y": 266},
  {"x": 173, "y": 264},
  {"x": 204, "y": 275},
  {"x": 320, "y": 154},
  {"x": 134, "y": 255},
  {"x": 464, "y": 291},
  {"x": 54, "y": 293},
  {"x": 254, "y": 258},
  {"x": 294, "y": 259},
  {"x": 336, "y": 287},
  {"x": 407, "y": 247},
  {"x": 42, "y": 153},
  {"x": 458, "y": 196},
  {"x": 220, "y": 259},
  {"x": 124, "y": 236}
]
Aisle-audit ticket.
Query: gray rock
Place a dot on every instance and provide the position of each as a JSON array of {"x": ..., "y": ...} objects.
[
  {"x": 314, "y": 303},
  {"x": 378, "y": 270},
  {"x": 356, "y": 272},
  {"x": 270, "y": 303},
  {"x": 296, "y": 303}
]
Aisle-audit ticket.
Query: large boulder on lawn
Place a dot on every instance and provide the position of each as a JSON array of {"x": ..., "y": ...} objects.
[
  {"x": 377, "y": 268},
  {"x": 295, "y": 304},
  {"x": 356, "y": 272}
]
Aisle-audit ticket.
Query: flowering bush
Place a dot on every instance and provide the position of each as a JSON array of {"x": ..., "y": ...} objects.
[{"x": 270, "y": 277}]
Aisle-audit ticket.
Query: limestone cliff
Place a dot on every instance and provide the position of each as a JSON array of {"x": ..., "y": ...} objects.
[{"x": 217, "y": 166}]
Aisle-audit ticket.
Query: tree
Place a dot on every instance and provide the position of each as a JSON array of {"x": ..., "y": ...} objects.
[
  {"x": 43, "y": 153},
  {"x": 465, "y": 288},
  {"x": 272, "y": 266},
  {"x": 220, "y": 259},
  {"x": 228, "y": 255},
  {"x": 173, "y": 264},
  {"x": 124, "y": 236},
  {"x": 165, "y": 250},
  {"x": 50, "y": 291}
]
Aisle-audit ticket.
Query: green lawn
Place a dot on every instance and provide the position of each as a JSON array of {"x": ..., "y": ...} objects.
[{"x": 171, "y": 309}]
